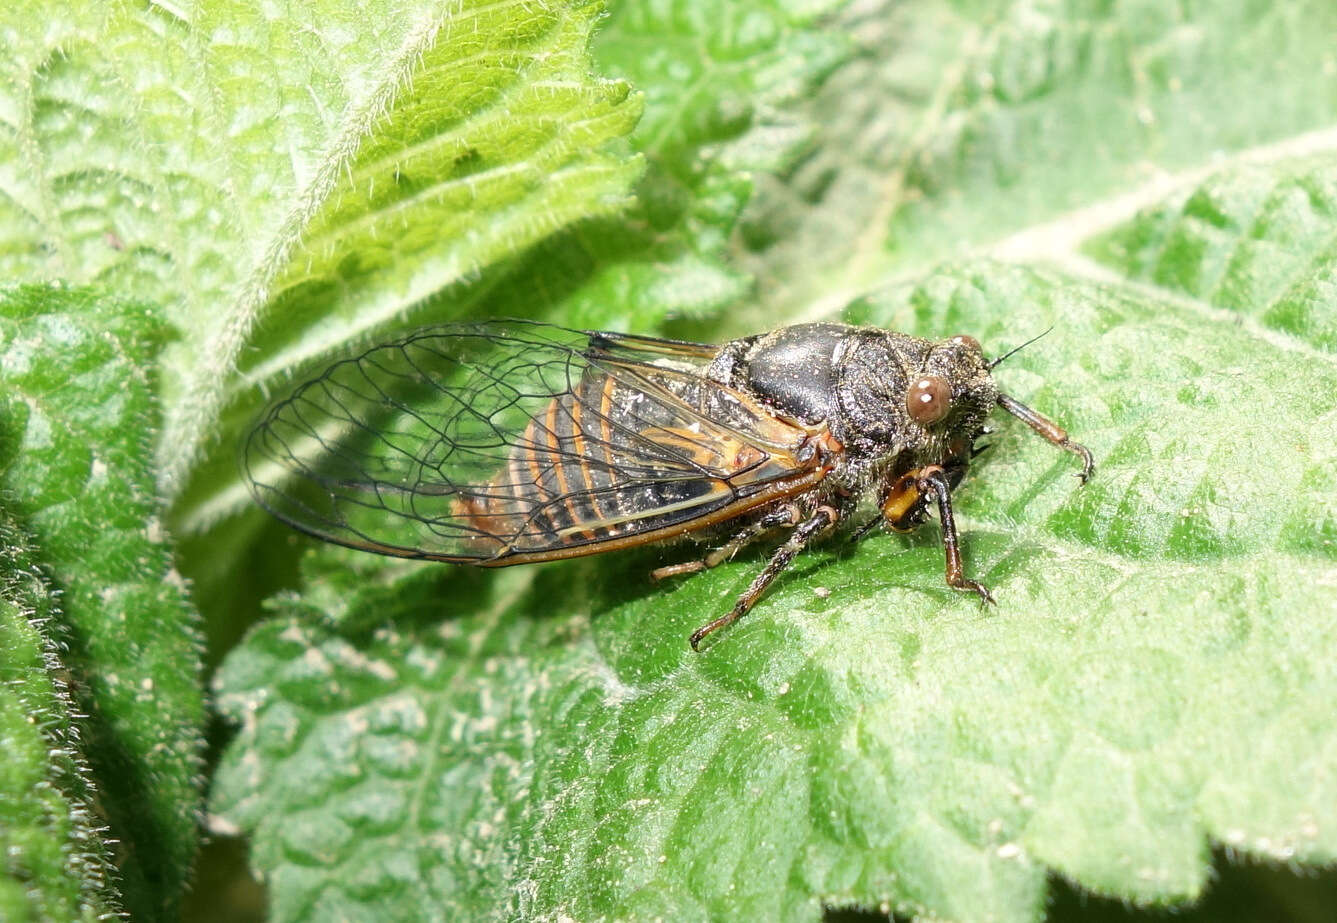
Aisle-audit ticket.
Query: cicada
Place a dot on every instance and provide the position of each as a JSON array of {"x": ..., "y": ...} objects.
[{"x": 512, "y": 442}]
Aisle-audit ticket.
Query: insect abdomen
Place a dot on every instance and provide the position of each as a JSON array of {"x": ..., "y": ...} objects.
[{"x": 572, "y": 478}]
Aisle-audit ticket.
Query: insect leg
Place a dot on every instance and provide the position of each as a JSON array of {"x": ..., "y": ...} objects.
[
  {"x": 787, "y": 515},
  {"x": 805, "y": 532},
  {"x": 1051, "y": 431},
  {"x": 865, "y": 530},
  {"x": 934, "y": 482}
]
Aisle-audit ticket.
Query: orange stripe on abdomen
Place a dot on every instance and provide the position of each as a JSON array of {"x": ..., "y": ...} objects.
[
  {"x": 540, "y": 494},
  {"x": 581, "y": 447},
  {"x": 561, "y": 459}
]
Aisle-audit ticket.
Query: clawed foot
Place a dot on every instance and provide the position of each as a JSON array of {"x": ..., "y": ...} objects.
[
  {"x": 986, "y": 598},
  {"x": 708, "y": 628}
]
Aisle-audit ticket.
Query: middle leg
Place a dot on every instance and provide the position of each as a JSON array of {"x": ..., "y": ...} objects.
[
  {"x": 787, "y": 515},
  {"x": 805, "y": 532}
]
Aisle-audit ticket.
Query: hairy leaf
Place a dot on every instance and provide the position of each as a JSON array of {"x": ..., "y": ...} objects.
[
  {"x": 543, "y": 744},
  {"x": 79, "y": 477},
  {"x": 1146, "y": 682},
  {"x": 313, "y": 168},
  {"x": 56, "y": 865}
]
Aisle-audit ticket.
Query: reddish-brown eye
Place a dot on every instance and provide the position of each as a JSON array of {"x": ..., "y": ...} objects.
[
  {"x": 965, "y": 339},
  {"x": 929, "y": 399}
]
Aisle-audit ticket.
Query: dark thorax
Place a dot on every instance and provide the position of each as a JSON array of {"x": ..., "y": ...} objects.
[{"x": 860, "y": 382}]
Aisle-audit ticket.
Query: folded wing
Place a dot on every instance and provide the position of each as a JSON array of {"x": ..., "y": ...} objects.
[{"x": 507, "y": 442}]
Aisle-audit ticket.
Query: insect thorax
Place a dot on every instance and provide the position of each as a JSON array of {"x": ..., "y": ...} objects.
[{"x": 855, "y": 380}]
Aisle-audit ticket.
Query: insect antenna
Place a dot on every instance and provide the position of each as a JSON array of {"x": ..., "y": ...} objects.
[{"x": 1012, "y": 352}]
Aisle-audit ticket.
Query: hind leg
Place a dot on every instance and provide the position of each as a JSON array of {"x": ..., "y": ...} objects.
[
  {"x": 786, "y": 516},
  {"x": 823, "y": 519}
]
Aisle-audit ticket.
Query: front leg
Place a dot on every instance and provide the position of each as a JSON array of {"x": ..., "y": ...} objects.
[
  {"x": 805, "y": 532},
  {"x": 933, "y": 483},
  {"x": 903, "y": 506},
  {"x": 1051, "y": 431}
]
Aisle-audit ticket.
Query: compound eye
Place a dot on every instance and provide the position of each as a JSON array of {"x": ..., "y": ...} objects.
[
  {"x": 968, "y": 341},
  {"x": 929, "y": 399}
]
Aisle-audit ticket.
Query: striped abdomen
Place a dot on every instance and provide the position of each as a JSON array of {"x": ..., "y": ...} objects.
[{"x": 604, "y": 462}]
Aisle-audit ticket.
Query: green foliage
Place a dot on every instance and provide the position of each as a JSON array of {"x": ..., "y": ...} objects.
[
  {"x": 1146, "y": 682},
  {"x": 1158, "y": 181},
  {"x": 79, "y": 478},
  {"x": 55, "y": 863}
]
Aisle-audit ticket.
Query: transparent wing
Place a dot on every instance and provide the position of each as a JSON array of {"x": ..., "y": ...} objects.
[{"x": 511, "y": 441}]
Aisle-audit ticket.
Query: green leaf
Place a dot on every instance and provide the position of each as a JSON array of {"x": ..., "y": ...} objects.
[
  {"x": 79, "y": 477},
  {"x": 326, "y": 164},
  {"x": 1146, "y": 682},
  {"x": 721, "y": 80},
  {"x": 1258, "y": 241},
  {"x": 56, "y": 865}
]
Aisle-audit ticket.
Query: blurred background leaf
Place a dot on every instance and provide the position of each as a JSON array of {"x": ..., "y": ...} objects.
[{"x": 1022, "y": 128}]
